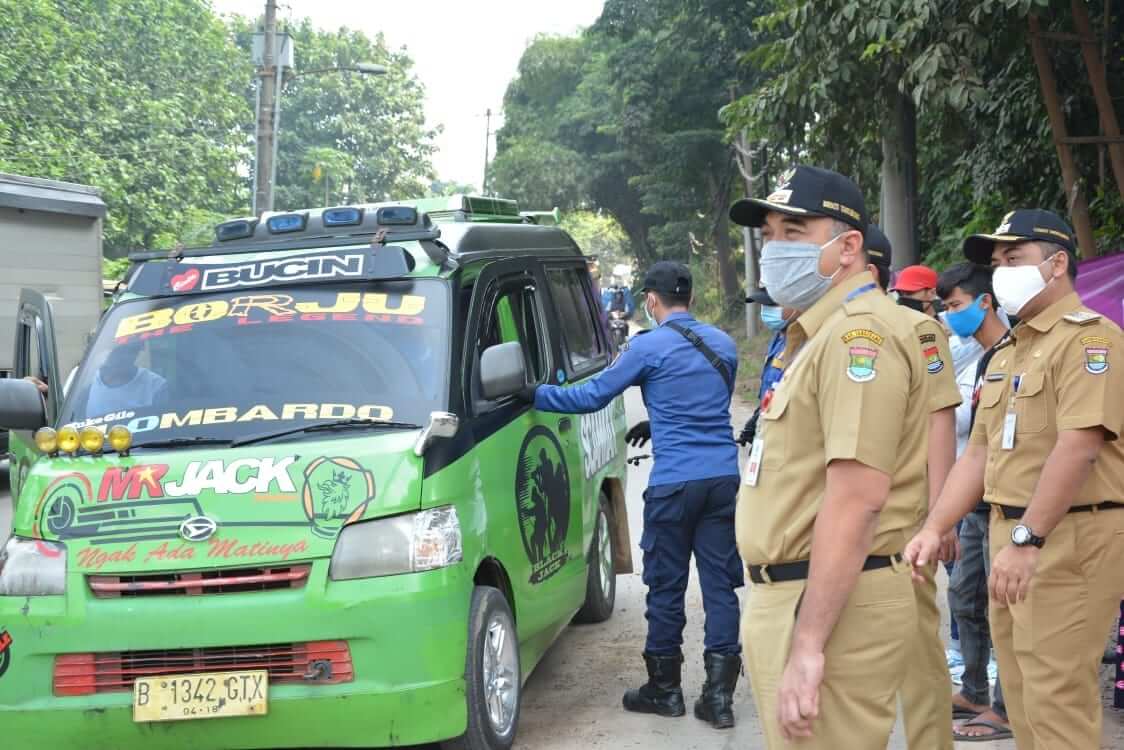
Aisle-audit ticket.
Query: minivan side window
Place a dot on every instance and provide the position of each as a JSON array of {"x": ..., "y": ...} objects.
[
  {"x": 513, "y": 318},
  {"x": 585, "y": 350}
]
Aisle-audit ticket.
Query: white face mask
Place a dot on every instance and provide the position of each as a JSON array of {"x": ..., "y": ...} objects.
[{"x": 1017, "y": 285}]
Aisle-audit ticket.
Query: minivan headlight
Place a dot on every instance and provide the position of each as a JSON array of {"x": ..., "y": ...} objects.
[
  {"x": 32, "y": 567},
  {"x": 408, "y": 543}
]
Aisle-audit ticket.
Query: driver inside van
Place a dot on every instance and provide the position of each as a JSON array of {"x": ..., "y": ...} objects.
[{"x": 121, "y": 384}]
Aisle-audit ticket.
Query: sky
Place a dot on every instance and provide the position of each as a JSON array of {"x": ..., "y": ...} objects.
[{"x": 446, "y": 38}]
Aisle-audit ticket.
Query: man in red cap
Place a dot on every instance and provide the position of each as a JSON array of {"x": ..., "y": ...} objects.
[{"x": 917, "y": 289}]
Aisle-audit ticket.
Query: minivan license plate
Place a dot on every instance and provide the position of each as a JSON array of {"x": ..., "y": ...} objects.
[{"x": 201, "y": 696}]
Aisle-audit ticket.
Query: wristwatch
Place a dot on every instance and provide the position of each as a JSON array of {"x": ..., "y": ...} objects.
[{"x": 1022, "y": 536}]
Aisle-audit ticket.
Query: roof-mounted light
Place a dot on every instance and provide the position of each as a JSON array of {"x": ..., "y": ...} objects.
[
  {"x": 239, "y": 229},
  {"x": 342, "y": 217},
  {"x": 286, "y": 223},
  {"x": 393, "y": 216}
]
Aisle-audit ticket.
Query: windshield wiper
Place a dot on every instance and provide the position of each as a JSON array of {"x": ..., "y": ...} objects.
[
  {"x": 339, "y": 424},
  {"x": 183, "y": 442}
]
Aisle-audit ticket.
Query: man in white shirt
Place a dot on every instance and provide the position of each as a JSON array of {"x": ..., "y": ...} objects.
[{"x": 972, "y": 314}]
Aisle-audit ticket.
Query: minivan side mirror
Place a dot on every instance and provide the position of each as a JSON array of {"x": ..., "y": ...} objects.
[
  {"x": 502, "y": 371},
  {"x": 21, "y": 405}
]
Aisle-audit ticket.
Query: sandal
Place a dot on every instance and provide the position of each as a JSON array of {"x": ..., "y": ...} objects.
[{"x": 999, "y": 732}]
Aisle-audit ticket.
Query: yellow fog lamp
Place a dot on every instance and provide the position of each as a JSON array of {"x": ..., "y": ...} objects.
[
  {"x": 120, "y": 439},
  {"x": 92, "y": 440},
  {"x": 68, "y": 440},
  {"x": 47, "y": 440}
]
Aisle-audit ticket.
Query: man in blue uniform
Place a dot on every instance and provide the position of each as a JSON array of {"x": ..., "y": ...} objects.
[
  {"x": 776, "y": 319},
  {"x": 685, "y": 370}
]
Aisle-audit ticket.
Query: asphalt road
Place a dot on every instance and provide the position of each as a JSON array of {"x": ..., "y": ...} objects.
[{"x": 572, "y": 700}]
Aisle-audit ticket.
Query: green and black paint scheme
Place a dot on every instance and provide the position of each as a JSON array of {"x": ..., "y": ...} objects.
[{"x": 528, "y": 488}]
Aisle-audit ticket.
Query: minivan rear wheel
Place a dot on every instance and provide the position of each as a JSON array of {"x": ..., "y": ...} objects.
[
  {"x": 601, "y": 583},
  {"x": 493, "y": 681}
]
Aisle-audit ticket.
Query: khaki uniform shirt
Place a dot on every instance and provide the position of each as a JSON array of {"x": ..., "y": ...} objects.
[
  {"x": 1054, "y": 372},
  {"x": 940, "y": 390},
  {"x": 855, "y": 388}
]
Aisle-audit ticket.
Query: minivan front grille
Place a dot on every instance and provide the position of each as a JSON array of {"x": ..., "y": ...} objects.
[
  {"x": 198, "y": 582},
  {"x": 312, "y": 663}
]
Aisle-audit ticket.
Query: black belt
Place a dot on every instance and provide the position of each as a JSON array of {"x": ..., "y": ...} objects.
[
  {"x": 798, "y": 571},
  {"x": 1011, "y": 512}
]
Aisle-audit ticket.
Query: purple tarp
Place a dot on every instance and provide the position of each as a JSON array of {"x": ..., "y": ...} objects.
[{"x": 1100, "y": 282}]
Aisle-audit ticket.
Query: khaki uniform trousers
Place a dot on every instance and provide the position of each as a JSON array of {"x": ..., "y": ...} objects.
[
  {"x": 927, "y": 689},
  {"x": 864, "y": 659},
  {"x": 1049, "y": 646}
]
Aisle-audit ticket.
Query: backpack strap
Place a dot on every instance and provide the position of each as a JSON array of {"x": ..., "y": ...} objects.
[{"x": 697, "y": 342}]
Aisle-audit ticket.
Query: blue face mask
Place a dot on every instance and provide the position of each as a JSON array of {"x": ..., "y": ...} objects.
[
  {"x": 966, "y": 322},
  {"x": 773, "y": 317}
]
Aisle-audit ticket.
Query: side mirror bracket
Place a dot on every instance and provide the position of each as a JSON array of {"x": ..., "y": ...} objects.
[{"x": 442, "y": 424}]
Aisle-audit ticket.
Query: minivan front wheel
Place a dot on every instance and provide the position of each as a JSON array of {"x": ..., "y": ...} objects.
[
  {"x": 601, "y": 583},
  {"x": 493, "y": 685}
]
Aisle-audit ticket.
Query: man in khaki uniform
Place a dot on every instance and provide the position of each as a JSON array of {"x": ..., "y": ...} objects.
[
  {"x": 833, "y": 479},
  {"x": 1044, "y": 453},
  {"x": 927, "y": 687}
]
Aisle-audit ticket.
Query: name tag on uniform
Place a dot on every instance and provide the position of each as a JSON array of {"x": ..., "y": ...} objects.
[
  {"x": 753, "y": 466},
  {"x": 1009, "y": 431}
]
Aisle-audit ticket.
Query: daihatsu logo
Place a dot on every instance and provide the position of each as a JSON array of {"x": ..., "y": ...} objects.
[{"x": 198, "y": 529}]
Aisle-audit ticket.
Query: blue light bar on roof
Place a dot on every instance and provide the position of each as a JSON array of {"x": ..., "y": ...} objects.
[
  {"x": 239, "y": 229},
  {"x": 398, "y": 216},
  {"x": 342, "y": 217},
  {"x": 286, "y": 223}
]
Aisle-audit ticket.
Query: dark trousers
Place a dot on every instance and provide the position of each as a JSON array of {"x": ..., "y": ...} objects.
[
  {"x": 967, "y": 592},
  {"x": 681, "y": 519}
]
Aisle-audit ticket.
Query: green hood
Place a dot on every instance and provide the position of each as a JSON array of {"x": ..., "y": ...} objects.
[{"x": 268, "y": 504}]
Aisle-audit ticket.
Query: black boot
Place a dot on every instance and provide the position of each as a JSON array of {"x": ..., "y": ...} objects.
[
  {"x": 716, "y": 704},
  {"x": 661, "y": 694}
]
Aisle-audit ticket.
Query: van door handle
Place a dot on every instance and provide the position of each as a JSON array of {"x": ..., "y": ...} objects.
[{"x": 565, "y": 424}]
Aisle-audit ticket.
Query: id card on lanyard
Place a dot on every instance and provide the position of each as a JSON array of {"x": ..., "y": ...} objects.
[{"x": 1011, "y": 419}]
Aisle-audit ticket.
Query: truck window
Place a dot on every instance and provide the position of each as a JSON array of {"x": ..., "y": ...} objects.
[{"x": 585, "y": 351}]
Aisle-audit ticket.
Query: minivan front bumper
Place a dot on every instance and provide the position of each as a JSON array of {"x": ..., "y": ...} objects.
[{"x": 406, "y": 635}]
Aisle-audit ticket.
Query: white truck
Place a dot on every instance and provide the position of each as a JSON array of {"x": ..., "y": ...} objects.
[{"x": 50, "y": 242}]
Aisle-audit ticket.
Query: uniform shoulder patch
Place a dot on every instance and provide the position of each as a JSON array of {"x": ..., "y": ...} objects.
[
  {"x": 1096, "y": 354},
  {"x": 862, "y": 349},
  {"x": 1082, "y": 317},
  {"x": 931, "y": 352}
]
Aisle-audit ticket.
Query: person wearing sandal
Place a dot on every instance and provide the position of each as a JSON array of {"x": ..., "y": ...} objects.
[{"x": 972, "y": 313}]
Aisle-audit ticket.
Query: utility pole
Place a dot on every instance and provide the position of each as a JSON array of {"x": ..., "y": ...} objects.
[
  {"x": 487, "y": 145},
  {"x": 267, "y": 115},
  {"x": 743, "y": 158}
]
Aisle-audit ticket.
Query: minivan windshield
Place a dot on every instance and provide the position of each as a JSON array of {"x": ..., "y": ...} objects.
[{"x": 242, "y": 363}]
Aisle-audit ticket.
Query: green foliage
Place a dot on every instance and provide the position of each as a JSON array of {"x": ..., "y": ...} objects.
[
  {"x": 624, "y": 119},
  {"x": 598, "y": 234},
  {"x": 114, "y": 269},
  {"x": 142, "y": 99},
  {"x": 832, "y": 68},
  {"x": 346, "y": 137}
]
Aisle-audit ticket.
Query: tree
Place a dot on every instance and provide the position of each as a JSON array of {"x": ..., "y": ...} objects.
[
  {"x": 141, "y": 99},
  {"x": 345, "y": 137},
  {"x": 934, "y": 101}
]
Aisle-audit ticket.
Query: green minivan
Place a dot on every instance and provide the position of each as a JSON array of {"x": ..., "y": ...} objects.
[{"x": 291, "y": 498}]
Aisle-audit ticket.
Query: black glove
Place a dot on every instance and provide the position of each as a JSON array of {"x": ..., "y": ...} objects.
[
  {"x": 639, "y": 434},
  {"x": 750, "y": 430},
  {"x": 527, "y": 394}
]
